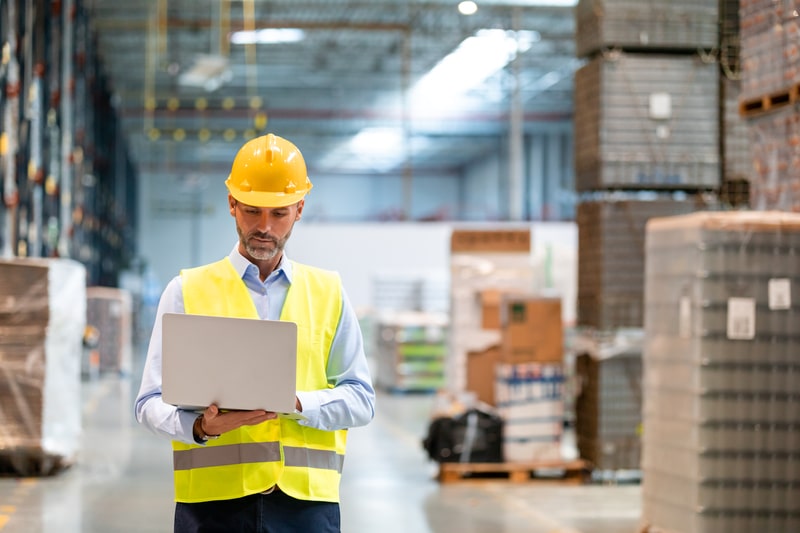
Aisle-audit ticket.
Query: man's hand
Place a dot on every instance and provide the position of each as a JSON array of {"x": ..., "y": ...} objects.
[{"x": 215, "y": 422}]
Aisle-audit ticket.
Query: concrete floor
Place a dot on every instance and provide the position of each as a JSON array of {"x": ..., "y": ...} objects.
[{"x": 122, "y": 483}]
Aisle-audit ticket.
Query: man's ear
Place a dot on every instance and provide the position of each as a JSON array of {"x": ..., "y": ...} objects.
[
  {"x": 231, "y": 205},
  {"x": 300, "y": 206}
]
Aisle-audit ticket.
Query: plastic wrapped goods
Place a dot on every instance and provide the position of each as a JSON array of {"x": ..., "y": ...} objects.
[
  {"x": 721, "y": 367},
  {"x": 42, "y": 321}
]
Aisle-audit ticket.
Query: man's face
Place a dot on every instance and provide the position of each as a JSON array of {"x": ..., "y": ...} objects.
[{"x": 263, "y": 231}]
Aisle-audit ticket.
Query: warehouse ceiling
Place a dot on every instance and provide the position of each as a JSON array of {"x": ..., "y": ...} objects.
[{"x": 344, "y": 83}]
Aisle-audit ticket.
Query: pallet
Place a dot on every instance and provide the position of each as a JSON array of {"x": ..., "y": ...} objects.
[
  {"x": 769, "y": 102},
  {"x": 573, "y": 472},
  {"x": 30, "y": 462}
]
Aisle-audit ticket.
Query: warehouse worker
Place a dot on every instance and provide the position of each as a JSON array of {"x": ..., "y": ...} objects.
[{"x": 294, "y": 485}]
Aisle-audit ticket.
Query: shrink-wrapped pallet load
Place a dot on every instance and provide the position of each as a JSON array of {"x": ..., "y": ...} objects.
[
  {"x": 721, "y": 368},
  {"x": 42, "y": 321},
  {"x": 109, "y": 311}
]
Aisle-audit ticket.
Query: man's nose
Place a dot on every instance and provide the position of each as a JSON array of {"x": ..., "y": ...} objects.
[{"x": 264, "y": 222}]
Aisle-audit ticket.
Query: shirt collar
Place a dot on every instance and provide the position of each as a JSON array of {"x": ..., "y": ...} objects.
[{"x": 241, "y": 264}]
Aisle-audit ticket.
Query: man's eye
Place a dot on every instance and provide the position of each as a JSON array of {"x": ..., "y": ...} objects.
[{"x": 253, "y": 212}]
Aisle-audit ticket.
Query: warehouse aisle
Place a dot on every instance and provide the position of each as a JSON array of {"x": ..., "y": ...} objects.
[{"x": 122, "y": 483}]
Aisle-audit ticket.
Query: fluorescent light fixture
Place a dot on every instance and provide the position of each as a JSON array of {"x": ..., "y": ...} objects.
[
  {"x": 268, "y": 36},
  {"x": 474, "y": 60}
]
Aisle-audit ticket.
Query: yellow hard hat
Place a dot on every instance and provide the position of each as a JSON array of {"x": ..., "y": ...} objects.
[{"x": 268, "y": 171}]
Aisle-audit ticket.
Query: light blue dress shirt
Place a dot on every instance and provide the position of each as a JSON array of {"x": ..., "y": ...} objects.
[{"x": 350, "y": 403}]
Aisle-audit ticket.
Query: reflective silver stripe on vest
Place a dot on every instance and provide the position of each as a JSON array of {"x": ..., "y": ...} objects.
[
  {"x": 256, "y": 452},
  {"x": 234, "y": 454},
  {"x": 307, "y": 457}
]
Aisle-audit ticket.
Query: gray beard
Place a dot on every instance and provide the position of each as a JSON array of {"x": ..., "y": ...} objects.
[{"x": 262, "y": 254}]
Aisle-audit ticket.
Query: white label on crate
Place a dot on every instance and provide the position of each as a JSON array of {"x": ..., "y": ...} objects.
[
  {"x": 780, "y": 293},
  {"x": 660, "y": 106},
  {"x": 741, "y": 318},
  {"x": 685, "y": 317}
]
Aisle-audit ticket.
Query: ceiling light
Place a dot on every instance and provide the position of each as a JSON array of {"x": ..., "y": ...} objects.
[
  {"x": 467, "y": 7},
  {"x": 377, "y": 140},
  {"x": 474, "y": 60},
  {"x": 268, "y": 36},
  {"x": 208, "y": 72}
]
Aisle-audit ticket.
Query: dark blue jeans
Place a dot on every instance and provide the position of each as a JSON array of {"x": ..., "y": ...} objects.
[{"x": 259, "y": 513}]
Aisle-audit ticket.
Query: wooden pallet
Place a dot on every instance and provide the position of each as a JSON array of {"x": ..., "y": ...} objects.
[
  {"x": 769, "y": 102},
  {"x": 574, "y": 472}
]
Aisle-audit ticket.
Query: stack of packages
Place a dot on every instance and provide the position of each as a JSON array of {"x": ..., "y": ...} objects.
[
  {"x": 721, "y": 367},
  {"x": 529, "y": 378},
  {"x": 109, "y": 310},
  {"x": 42, "y": 321},
  {"x": 770, "y": 58},
  {"x": 608, "y": 401},
  {"x": 506, "y": 342},
  {"x": 647, "y": 144}
]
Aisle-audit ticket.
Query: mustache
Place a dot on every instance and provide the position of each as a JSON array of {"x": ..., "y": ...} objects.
[{"x": 263, "y": 236}]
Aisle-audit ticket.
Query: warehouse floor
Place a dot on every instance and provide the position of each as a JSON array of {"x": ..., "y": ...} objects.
[{"x": 122, "y": 483}]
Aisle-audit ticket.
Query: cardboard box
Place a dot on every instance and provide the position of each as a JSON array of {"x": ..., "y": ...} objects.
[
  {"x": 530, "y": 398},
  {"x": 509, "y": 240},
  {"x": 490, "y": 308},
  {"x": 481, "y": 373},
  {"x": 491, "y": 304},
  {"x": 532, "y": 330}
]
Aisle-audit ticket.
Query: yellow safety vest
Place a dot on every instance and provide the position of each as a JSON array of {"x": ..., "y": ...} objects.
[{"x": 305, "y": 463}]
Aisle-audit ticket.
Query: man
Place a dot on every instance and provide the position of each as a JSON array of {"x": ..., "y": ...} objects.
[{"x": 292, "y": 483}]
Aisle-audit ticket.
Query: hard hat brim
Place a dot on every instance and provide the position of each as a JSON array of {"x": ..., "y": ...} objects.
[{"x": 267, "y": 199}]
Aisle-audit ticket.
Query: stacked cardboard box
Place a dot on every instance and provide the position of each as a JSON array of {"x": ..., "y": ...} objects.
[
  {"x": 481, "y": 260},
  {"x": 109, "y": 311},
  {"x": 721, "y": 360},
  {"x": 523, "y": 373},
  {"x": 42, "y": 320},
  {"x": 530, "y": 399}
]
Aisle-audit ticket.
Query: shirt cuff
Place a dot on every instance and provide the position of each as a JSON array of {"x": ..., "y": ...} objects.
[
  {"x": 311, "y": 406},
  {"x": 186, "y": 426}
]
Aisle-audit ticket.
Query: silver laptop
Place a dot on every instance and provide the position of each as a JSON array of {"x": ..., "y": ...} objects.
[{"x": 234, "y": 363}]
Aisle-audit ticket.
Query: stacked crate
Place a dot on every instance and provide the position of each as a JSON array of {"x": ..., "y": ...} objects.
[
  {"x": 770, "y": 93},
  {"x": 721, "y": 366},
  {"x": 611, "y": 258},
  {"x": 647, "y": 121},
  {"x": 647, "y": 144},
  {"x": 42, "y": 319},
  {"x": 608, "y": 403}
]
